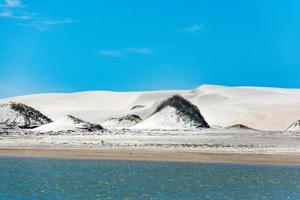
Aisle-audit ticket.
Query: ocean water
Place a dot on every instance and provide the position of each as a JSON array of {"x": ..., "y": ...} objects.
[{"x": 32, "y": 178}]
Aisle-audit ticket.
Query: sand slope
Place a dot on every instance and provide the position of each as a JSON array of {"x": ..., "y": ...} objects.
[
  {"x": 68, "y": 123},
  {"x": 256, "y": 107},
  {"x": 295, "y": 126},
  {"x": 20, "y": 115},
  {"x": 174, "y": 113}
]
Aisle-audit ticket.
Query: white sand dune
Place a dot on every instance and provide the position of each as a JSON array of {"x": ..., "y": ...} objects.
[
  {"x": 121, "y": 122},
  {"x": 68, "y": 123},
  {"x": 19, "y": 115},
  {"x": 167, "y": 119},
  {"x": 174, "y": 113},
  {"x": 256, "y": 107},
  {"x": 295, "y": 126}
]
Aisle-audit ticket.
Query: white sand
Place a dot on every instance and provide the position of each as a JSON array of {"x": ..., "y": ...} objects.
[
  {"x": 260, "y": 108},
  {"x": 206, "y": 140},
  {"x": 62, "y": 124},
  {"x": 165, "y": 119}
]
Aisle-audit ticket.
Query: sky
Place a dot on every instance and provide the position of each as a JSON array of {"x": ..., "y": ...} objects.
[{"x": 67, "y": 46}]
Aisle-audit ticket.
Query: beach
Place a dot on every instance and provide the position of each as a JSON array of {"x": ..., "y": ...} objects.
[
  {"x": 147, "y": 155},
  {"x": 207, "y": 145}
]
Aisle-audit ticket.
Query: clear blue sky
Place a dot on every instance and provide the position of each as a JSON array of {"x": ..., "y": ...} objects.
[{"x": 67, "y": 45}]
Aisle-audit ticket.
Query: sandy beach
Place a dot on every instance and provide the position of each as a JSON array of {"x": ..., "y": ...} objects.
[
  {"x": 280, "y": 148},
  {"x": 147, "y": 155}
]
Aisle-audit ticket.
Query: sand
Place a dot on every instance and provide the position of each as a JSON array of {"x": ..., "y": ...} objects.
[
  {"x": 206, "y": 145},
  {"x": 269, "y": 109},
  {"x": 146, "y": 155}
]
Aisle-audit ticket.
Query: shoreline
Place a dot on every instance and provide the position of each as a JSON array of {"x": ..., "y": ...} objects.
[{"x": 155, "y": 155}]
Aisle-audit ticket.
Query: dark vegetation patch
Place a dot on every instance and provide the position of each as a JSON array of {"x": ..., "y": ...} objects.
[
  {"x": 184, "y": 108},
  {"x": 87, "y": 126},
  {"x": 137, "y": 107},
  {"x": 240, "y": 126},
  {"x": 32, "y": 117}
]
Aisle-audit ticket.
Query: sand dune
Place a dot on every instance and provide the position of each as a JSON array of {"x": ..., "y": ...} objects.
[{"x": 256, "y": 107}]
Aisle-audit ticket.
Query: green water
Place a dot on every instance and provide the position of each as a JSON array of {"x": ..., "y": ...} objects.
[{"x": 95, "y": 179}]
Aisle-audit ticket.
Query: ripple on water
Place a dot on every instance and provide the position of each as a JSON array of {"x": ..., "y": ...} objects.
[{"x": 95, "y": 179}]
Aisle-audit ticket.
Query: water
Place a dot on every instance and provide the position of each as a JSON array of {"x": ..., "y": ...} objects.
[{"x": 95, "y": 179}]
